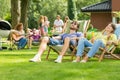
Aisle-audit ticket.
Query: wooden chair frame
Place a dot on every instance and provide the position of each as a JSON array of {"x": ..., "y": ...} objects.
[{"x": 85, "y": 28}]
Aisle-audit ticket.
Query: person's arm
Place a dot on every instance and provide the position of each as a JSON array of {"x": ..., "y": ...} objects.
[
  {"x": 79, "y": 36},
  {"x": 16, "y": 38},
  {"x": 54, "y": 26},
  {"x": 57, "y": 37},
  {"x": 62, "y": 24},
  {"x": 113, "y": 39}
]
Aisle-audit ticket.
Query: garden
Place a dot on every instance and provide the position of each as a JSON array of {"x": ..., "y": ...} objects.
[{"x": 15, "y": 64}]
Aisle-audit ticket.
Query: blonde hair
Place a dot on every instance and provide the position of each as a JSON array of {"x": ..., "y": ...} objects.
[{"x": 41, "y": 19}]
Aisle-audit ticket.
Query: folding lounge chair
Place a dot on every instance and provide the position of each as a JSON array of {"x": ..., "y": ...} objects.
[
  {"x": 107, "y": 51},
  {"x": 111, "y": 49},
  {"x": 57, "y": 48}
]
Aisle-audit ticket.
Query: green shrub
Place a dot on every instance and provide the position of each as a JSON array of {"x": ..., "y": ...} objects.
[{"x": 7, "y": 17}]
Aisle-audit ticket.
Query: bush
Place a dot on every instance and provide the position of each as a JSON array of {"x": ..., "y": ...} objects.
[{"x": 7, "y": 17}]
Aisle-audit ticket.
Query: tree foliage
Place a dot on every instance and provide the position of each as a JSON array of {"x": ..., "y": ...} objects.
[
  {"x": 49, "y": 8},
  {"x": 4, "y": 9},
  {"x": 84, "y": 3}
]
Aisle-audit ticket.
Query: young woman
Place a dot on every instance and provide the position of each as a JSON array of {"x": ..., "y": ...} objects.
[
  {"x": 19, "y": 35},
  {"x": 46, "y": 25},
  {"x": 66, "y": 21},
  {"x": 41, "y": 25},
  {"x": 101, "y": 40}
]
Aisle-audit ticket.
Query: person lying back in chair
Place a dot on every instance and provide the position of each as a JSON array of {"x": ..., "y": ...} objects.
[
  {"x": 65, "y": 39},
  {"x": 101, "y": 40}
]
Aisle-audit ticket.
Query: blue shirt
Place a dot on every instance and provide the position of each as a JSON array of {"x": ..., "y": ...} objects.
[{"x": 77, "y": 34}]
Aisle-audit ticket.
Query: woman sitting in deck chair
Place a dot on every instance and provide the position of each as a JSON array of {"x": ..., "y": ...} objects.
[
  {"x": 65, "y": 39},
  {"x": 34, "y": 37},
  {"x": 107, "y": 37},
  {"x": 18, "y": 35}
]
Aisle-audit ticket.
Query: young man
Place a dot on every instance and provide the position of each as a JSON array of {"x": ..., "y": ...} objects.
[{"x": 65, "y": 39}]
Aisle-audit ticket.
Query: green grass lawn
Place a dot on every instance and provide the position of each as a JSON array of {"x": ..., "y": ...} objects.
[{"x": 15, "y": 65}]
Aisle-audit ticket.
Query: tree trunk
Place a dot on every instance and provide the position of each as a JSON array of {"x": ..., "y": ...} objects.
[
  {"x": 15, "y": 12},
  {"x": 70, "y": 9},
  {"x": 24, "y": 9}
]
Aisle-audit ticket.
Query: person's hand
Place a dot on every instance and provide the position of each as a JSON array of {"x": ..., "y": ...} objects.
[{"x": 109, "y": 43}]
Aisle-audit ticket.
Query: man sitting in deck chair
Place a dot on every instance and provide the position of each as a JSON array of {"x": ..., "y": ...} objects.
[{"x": 65, "y": 39}]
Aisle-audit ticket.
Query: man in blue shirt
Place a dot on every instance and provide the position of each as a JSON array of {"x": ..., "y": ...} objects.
[{"x": 65, "y": 39}]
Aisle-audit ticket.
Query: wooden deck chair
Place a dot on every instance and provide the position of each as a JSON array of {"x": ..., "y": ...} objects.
[
  {"x": 107, "y": 51},
  {"x": 111, "y": 49},
  {"x": 84, "y": 26},
  {"x": 13, "y": 43}
]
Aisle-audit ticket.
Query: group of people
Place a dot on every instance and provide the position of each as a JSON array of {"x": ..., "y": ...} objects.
[
  {"x": 106, "y": 37},
  {"x": 18, "y": 34},
  {"x": 67, "y": 39}
]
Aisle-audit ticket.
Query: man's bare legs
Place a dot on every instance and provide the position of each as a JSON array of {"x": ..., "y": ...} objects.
[
  {"x": 42, "y": 48},
  {"x": 64, "y": 49}
]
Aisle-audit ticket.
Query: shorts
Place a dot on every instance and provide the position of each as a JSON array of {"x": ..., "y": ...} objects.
[
  {"x": 73, "y": 42},
  {"x": 55, "y": 42}
]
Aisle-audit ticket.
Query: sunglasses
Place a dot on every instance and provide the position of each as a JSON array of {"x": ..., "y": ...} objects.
[{"x": 75, "y": 23}]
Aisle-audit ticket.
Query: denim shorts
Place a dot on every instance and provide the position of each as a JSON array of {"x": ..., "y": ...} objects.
[
  {"x": 55, "y": 42},
  {"x": 73, "y": 42}
]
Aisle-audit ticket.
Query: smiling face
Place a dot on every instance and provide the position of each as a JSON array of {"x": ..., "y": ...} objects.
[{"x": 110, "y": 28}]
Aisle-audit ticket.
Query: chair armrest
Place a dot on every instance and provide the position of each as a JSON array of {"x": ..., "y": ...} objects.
[{"x": 114, "y": 43}]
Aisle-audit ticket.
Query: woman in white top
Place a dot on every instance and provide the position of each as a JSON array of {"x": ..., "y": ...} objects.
[{"x": 58, "y": 24}]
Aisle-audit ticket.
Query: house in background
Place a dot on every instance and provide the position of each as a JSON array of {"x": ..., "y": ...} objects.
[{"x": 103, "y": 13}]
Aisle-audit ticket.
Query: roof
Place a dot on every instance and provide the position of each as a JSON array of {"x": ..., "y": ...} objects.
[{"x": 99, "y": 7}]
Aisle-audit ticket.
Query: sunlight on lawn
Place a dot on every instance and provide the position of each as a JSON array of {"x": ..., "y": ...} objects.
[{"x": 15, "y": 65}]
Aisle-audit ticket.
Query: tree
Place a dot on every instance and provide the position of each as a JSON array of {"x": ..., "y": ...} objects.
[
  {"x": 15, "y": 12},
  {"x": 4, "y": 9},
  {"x": 72, "y": 10},
  {"x": 24, "y": 16},
  {"x": 49, "y": 8}
]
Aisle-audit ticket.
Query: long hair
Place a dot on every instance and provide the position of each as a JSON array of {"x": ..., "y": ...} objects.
[
  {"x": 18, "y": 26},
  {"x": 76, "y": 23},
  {"x": 113, "y": 27}
]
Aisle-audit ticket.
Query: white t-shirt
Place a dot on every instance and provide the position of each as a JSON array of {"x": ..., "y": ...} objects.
[{"x": 58, "y": 24}]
